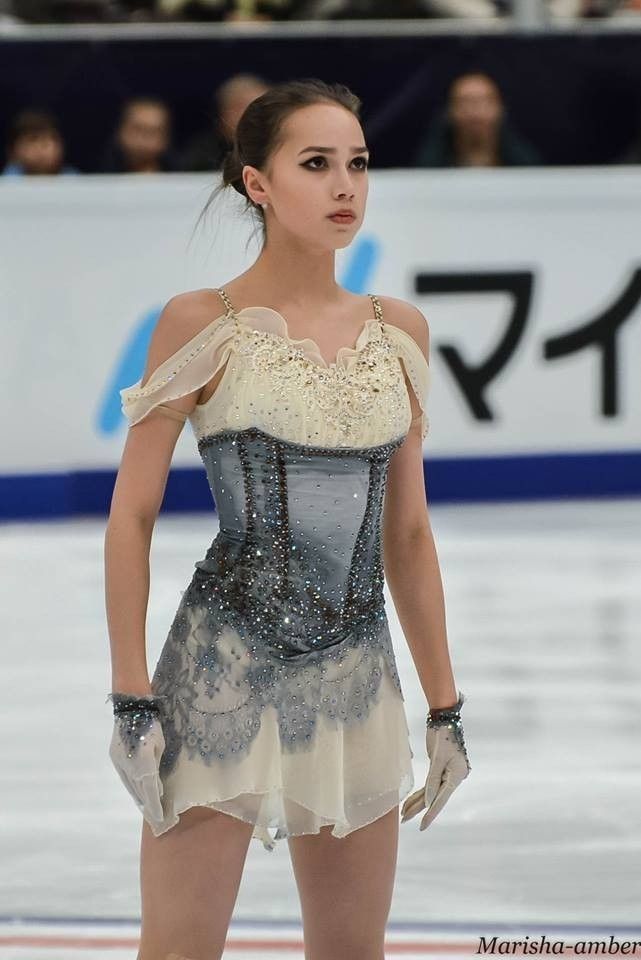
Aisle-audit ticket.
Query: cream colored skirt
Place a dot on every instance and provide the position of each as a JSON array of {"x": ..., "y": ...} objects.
[{"x": 351, "y": 776}]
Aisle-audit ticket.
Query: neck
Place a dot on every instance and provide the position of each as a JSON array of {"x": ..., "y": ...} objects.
[{"x": 292, "y": 273}]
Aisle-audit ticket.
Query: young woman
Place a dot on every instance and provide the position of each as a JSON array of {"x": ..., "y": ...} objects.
[{"x": 276, "y": 700}]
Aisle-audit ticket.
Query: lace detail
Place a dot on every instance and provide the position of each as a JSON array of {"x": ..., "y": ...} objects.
[
  {"x": 306, "y": 346},
  {"x": 347, "y": 392},
  {"x": 195, "y": 669},
  {"x": 345, "y": 395}
]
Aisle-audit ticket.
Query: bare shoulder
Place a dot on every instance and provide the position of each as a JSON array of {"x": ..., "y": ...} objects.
[
  {"x": 184, "y": 315},
  {"x": 408, "y": 318},
  {"x": 181, "y": 319}
]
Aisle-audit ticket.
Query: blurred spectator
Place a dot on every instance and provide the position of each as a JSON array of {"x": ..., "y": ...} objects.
[
  {"x": 34, "y": 146},
  {"x": 473, "y": 130},
  {"x": 589, "y": 9},
  {"x": 205, "y": 151},
  {"x": 394, "y": 9},
  {"x": 224, "y": 10},
  {"x": 261, "y": 10},
  {"x": 141, "y": 142},
  {"x": 202, "y": 11},
  {"x": 242, "y": 10},
  {"x": 464, "y": 8}
]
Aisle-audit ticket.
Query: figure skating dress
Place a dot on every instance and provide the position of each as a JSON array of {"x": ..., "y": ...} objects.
[{"x": 281, "y": 700}]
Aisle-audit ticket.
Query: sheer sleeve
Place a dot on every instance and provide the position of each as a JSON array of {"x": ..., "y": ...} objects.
[
  {"x": 416, "y": 367},
  {"x": 190, "y": 367}
]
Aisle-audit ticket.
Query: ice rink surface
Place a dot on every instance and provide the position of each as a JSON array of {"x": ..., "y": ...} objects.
[{"x": 543, "y": 839}]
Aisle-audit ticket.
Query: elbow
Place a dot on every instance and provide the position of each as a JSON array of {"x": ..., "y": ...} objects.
[
  {"x": 407, "y": 538},
  {"x": 125, "y": 518},
  {"x": 412, "y": 524}
]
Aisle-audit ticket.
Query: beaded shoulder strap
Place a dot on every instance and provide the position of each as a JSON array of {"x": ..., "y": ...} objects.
[
  {"x": 230, "y": 307},
  {"x": 378, "y": 310}
]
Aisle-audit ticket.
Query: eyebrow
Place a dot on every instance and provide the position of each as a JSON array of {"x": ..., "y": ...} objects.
[{"x": 332, "y": 150}]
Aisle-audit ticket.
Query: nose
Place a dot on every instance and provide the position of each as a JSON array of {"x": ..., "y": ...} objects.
[{"x": 344, "y": 185}]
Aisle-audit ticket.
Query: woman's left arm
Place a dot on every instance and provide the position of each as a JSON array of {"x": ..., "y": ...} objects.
[
  {"x": 409, "y": 553},
  {"x": 413, "y": 574},
  {"x": 414, "y": 578}
]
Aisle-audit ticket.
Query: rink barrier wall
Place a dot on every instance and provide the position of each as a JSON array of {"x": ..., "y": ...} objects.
[
  {"x": 530, "y": 280},
  {"x": 465, "y": 479}
]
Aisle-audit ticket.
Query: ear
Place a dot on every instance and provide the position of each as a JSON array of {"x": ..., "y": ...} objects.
[{"x": 253, "y": 186}]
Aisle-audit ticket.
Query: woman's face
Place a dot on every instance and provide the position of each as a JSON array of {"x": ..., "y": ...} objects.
[
  {"x": 304, "y": 186},
  {"x": 475, "y": 104},
  {"x": 40, "y": 152}
]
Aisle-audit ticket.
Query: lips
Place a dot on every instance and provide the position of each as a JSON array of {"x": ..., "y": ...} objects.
[{"x": 343, "y": 217}]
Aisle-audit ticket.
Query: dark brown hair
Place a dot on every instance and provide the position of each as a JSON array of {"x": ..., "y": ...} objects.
[{"x": 259, "y": 131}]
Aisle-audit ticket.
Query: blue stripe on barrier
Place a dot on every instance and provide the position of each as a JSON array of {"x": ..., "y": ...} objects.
[{"x": 448, "y": 479}]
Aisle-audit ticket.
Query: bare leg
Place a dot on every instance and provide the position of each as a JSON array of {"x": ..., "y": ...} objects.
[
  {"x": 345, "y": 887},
  {"x": 189, "y": 880}
]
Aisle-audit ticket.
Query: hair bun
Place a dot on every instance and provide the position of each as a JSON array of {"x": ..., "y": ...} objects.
[{"x": 232, "y": 170}]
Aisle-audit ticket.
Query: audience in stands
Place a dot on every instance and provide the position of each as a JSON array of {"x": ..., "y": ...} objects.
[
  {"x": 141, "y": 142},
  {"x": 395, "y": 9},
  {"x": 233, "y": 11},
  {"x": 34, "y": 145},
  {"x": 473, "y": 130}
]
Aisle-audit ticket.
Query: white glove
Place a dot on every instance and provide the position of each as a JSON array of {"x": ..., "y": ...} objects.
[
  {"x": 137, "y": 744},
  {"x": 449, "y": 764}
]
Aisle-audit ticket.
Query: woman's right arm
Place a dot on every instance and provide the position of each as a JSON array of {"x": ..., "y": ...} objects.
[{"x": 137, "y": 497}]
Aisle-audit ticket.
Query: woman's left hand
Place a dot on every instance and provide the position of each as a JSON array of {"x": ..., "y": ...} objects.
[{"x": 449, "y": 766}]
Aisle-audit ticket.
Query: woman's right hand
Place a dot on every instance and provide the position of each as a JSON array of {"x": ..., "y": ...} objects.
[{"x": 137, "y": 745}]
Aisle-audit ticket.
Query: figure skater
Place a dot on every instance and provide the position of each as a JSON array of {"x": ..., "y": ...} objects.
[{"x": 276, "y": 703}]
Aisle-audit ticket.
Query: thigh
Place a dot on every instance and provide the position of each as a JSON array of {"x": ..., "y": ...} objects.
[
  {"x": 345, "y": 887},
  {"x": 189, "y": 880}
]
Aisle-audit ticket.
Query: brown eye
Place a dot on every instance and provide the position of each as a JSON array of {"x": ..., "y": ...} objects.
[
  {"x": 310, "y": 160},
  {"x": 319, "y": 157}
]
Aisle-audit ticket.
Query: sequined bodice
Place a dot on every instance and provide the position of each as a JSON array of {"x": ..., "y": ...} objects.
[{"x": 298, "y": 549}]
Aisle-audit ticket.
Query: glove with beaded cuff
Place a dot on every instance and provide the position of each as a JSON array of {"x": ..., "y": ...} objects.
[
  {"x": 137, "y": 744},
  {"x": 449, "y": 763}
]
